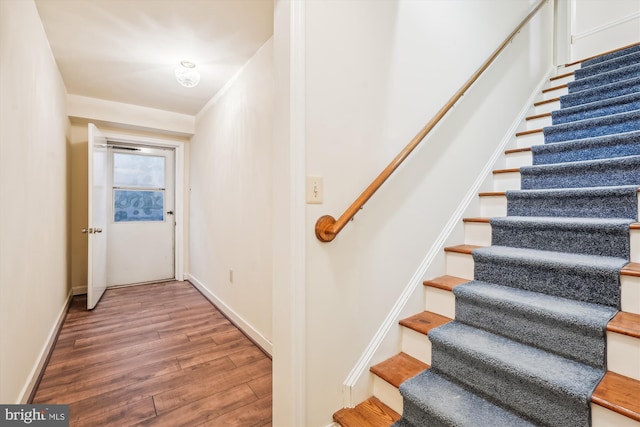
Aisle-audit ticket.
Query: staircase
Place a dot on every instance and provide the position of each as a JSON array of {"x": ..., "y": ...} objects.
[{"x": 537, "y": 321}]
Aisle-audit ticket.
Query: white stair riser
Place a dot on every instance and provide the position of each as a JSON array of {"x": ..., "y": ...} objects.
[
  {"x": 479, "y": 233},
  {"x": 530, "y": 140},
  {"x": 506, "y": 181},
  {"x": 539, "y": 123},
  {"x": 491, "y": 206},
  {"x": 630, "y": 294},
  {"x": 440, "y": 302},
  {"x": 461, "y": 265},
  {"x": 561, "y": 81},
  {"x": 555, "y": 93},
  {"x": 623, "y": 355},
  {"x": 547, "y": 107},
  {"x": 387, "y": 393},
  {"x": 603, "y": 417},
  {"x": 518, "y": 159},
  {"x": 416, "y": 345}
]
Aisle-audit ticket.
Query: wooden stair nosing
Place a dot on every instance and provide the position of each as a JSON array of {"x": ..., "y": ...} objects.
[
  {"x": 446, "y": 283},
  {"x": 561, "y": 76},
  {"x": 509, "y": 170},
  {"x": 483, "y": 220},
  {"x": 529, "y": 132},
  {"x": 538, "y": 116},
  {"x": 372, "y": 413},
  {"x": 631, "y": 269},
  {"x": 424, "y": 322},
  {"x": 546, "y": 101},
  {"x": 493, "y": 194},
  {"x": 398, "y": 369},
  {"x": 462, "y": 249},
  {"x": 550, "y": 89},
  {"x": 626, "y": 324},
  {"x": 619, "y": 394},
  {"x": 518, "y": 150}
]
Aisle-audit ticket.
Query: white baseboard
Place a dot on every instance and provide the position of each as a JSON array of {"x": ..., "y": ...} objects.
[
  {"x": 44, "y": 353},
  {"x": 79, "y": 290},
  {"x": 235, "y": 318}
]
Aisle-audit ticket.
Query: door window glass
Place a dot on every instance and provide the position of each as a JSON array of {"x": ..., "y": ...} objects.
[
  {"x": 135, "y": 170},
  {"x": 138, "y": 187},
  {"x": 138, "y": 205}
]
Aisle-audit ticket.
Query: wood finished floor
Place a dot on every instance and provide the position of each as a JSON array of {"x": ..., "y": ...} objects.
[{"x": 156, "y": 355}]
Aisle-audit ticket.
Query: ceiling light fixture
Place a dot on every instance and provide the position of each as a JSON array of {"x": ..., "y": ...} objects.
[{"x": 186, "y": 74}]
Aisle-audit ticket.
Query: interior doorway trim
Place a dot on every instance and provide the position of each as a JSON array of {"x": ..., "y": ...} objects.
[{"x": 179, "y": 147}]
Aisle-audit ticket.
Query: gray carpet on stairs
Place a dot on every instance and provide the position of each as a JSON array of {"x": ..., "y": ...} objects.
[
  {"x": 591, "y": 236},
  {"x": 569, "y": 328},
  {"x": 590, "y": 110},
  {"x": 594, "y": 148},
  {"x": 592, "y": 202}
]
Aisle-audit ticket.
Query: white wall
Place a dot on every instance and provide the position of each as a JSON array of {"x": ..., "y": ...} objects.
[
  {"x": 231, "y": 197},
  {"x": 598, "y": 26},
  {"x": 376, "y": 72},
  {"x": 34, "y": 282}
]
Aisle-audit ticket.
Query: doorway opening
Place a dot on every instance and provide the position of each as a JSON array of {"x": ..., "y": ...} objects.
[{"x": 136, "y": 210}]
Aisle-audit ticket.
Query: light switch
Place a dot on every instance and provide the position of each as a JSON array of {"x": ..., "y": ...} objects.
[{"x": 314, "y": 189}]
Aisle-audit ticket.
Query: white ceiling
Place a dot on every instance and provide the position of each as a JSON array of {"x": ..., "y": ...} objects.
[{"x": 127, "y": 50}]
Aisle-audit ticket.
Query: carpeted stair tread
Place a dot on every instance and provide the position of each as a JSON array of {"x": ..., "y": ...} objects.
[
  {"x": 627, "y": 121},
  {"x": 446, "y": 283},
  {"x": 604, "y": 202},
  {"x": 593, "y": 236},
  {"x": 432, "y": 400},
  {"x": 547, "y": 388},
  {"x": 424, "y": 322},
  {"x": 612, "y": 90},
  {"x": 399, "y": 368},
  {"x": 371, "y": 413},
  {"x": 605, "y": 107},
  {"x": 615, "y": 54},
  {"x": 594, "y": 148},
  {"x": 621, "y": 73},
  {"x": 587, "y": 278},
  {"x": 619, "y": 171},
  {"x": 563, "y": 326},
  {"x": 626, "y": 324},
  {"x": 620, "y": 394},
  {"x": 609, "y": 64}
]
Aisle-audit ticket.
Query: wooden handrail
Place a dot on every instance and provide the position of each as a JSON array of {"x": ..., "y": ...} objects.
[{"x": 327, "y": 227}]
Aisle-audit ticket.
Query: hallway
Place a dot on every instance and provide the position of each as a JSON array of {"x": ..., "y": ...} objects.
[{"x": 160, "y": 355}]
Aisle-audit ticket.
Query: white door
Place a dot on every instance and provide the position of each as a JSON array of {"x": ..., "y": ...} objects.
[
  {"x": 97, "y": 216},
  {"x": 140, "y": 245}
]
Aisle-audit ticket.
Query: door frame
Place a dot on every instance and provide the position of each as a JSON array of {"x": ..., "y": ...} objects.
[{"x": 179, "y": 217}]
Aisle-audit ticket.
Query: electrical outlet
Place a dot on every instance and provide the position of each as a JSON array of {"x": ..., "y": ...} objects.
[{"x": 314, "y": 189}]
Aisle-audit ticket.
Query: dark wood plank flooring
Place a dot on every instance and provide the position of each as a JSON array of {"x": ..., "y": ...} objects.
[{"x": 156, "y": 355}]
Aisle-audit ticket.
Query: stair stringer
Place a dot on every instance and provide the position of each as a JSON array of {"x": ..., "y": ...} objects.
[{"x": 358, "y": 385}]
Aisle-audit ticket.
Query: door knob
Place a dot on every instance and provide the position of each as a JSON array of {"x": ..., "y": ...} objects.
[
  {"x": 98, "y": 230},
  {"x": 85, "y": 230},
  {"x": 169, "y": 212}
]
